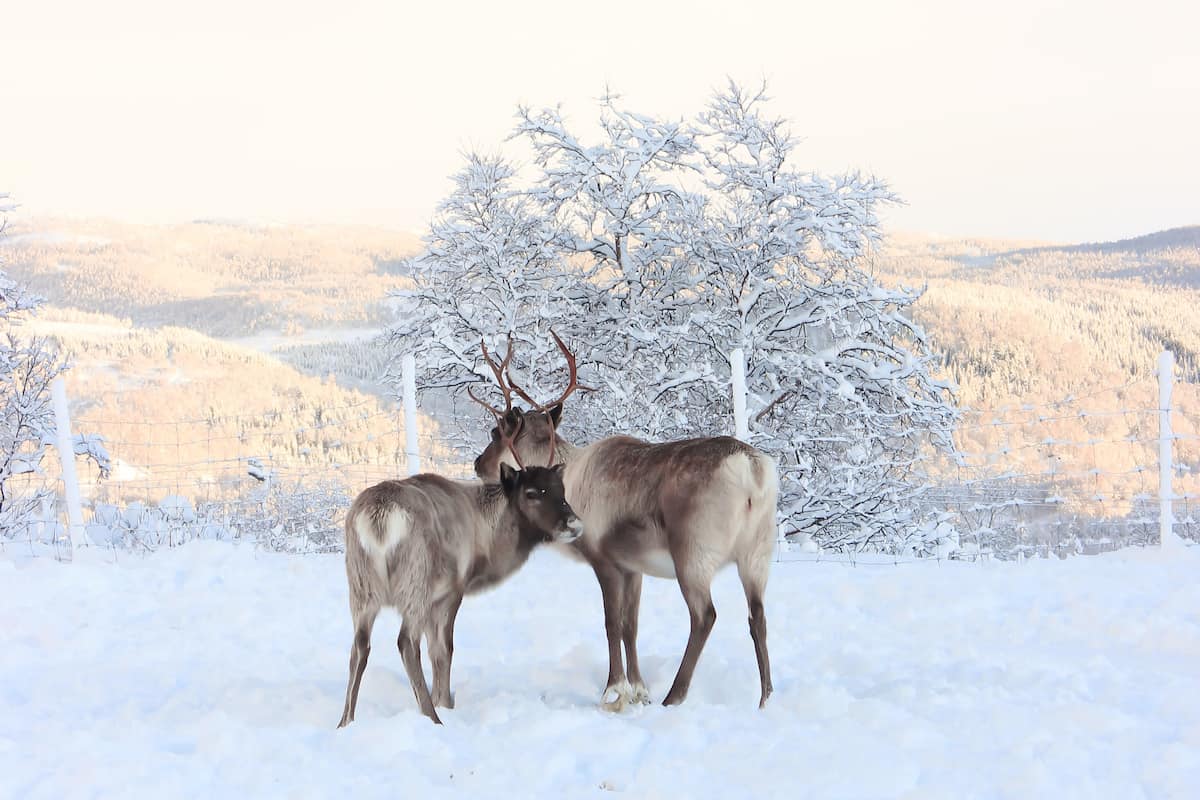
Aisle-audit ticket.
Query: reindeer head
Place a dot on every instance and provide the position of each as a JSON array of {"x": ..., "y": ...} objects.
[
  {"x": 522, "y": 437},
  {"x": 537, "y": 496}
]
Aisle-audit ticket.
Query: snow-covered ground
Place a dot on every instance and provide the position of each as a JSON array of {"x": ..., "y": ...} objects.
[{"x": 217, "y": 671}]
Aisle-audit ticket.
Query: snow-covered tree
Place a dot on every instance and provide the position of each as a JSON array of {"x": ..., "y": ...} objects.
[
  {"x": 627, "y": 221},
  {"x": 493, "y": 266},
  {"x": 28, "y": 365},
  {"x": 840, "y": 381},
  {"x": 665, "y": 247}
]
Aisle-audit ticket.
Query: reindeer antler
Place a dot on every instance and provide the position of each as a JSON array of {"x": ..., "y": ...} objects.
[
  {"x": 572, "y": 380},
  {"x": 572, "y": 385},
  {"x": 499, "y": 371}
]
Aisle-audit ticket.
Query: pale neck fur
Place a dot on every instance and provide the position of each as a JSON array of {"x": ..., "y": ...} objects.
[{"x": 565, "y": 452}]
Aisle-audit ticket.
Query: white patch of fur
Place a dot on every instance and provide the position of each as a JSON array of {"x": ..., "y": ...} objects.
[
  {"x": 770, "y": 486},
  {"x": 738, "y": 471},
  {"x": 396, "y": 526},
  {"x": 573, "y": 532},
  {"x": 758, "y": 497},
  {"x": 567, "y": 550},
  {"x": 658, "y": 563}
]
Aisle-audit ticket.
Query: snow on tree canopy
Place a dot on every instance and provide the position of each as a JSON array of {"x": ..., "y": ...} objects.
[{"x": 655, "y": 252}]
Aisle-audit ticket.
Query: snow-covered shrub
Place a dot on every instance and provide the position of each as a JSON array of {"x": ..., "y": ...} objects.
[
  {"x": 299, "y": 517},
  {"x": 137, "y": 526}
]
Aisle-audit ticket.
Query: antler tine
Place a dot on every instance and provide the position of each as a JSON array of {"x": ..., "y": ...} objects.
[
  {"x": 499, "y": 369},
  {"x": 511, "y": 440},
  {"x": 521, "y": 392},
  {"x": 572, "y": 382},
  {"x": 497, "y": 413}
]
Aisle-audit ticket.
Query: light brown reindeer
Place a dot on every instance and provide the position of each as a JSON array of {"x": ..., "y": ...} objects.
[
  {"x": 418, "y": 545},
  {"x": 678, "y": 510}
]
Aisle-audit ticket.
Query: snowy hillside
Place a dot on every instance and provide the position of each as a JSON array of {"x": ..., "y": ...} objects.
[{"x": 218, "y": 671}]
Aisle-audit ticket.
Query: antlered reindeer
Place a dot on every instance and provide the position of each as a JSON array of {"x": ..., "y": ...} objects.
[
  {"x": 678, "y": 510},
  {"x": 418, "y": 545}
]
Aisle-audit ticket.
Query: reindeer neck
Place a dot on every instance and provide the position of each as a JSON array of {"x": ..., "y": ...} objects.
[
  {"x": 490, "y": 501},
  {"x": 564, "y": 451},
  {"x": 504, "y": 540}
]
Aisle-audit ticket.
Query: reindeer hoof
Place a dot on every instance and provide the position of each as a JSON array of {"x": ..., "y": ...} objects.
[
  {"x": 616, "y": 697},
  {"x": 614, "y": 706},
  {"x": 640, "y": 695}
]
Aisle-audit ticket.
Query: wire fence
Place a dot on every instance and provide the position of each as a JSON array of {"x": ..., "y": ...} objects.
[
  {"x": 1079, "y": 475},
  {"x": 1075, "y": 476},
  {"x": 1082, "y": 474},
  {"x": 281, "y": 477}
]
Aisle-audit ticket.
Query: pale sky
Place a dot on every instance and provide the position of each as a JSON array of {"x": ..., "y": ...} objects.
[{"x": 1054, "y": 120}]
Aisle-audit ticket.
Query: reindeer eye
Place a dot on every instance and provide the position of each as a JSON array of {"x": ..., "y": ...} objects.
[{"x": 534, "y": 493}]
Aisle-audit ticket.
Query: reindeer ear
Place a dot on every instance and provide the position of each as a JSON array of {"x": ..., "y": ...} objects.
[
  {"x": 555, "y": 414},
  {"x": 508, "y": 477},
  {"x": 558, "y": 468}
]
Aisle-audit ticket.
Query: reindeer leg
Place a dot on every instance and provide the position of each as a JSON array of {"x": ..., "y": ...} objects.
[
  {"x": 697, "y": 595},
  {"x": 359, "y": 651},
  {"x": 758, "y": 632},
  {"x": 754, "y": 582},
  {"x": 410, "y": 653},
  {"x": 633, "y": 598},
  {"x": 617, "y": 692},
  {"x": 441, "y": 649}
]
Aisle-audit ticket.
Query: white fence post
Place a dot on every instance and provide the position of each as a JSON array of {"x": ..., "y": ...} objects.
[
  {"x": 737, "y": 372},
  {"x": 412, "y": 443},
  {"x": 66, "y": 456},
  {"x": 1166, "y": 440}
]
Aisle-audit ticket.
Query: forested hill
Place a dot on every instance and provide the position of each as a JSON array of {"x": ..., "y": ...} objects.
[
  {"x": 1024, "y": 322},
  {"x": 1018, "y": 321},
  {"x": 222, "y": 278}
]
